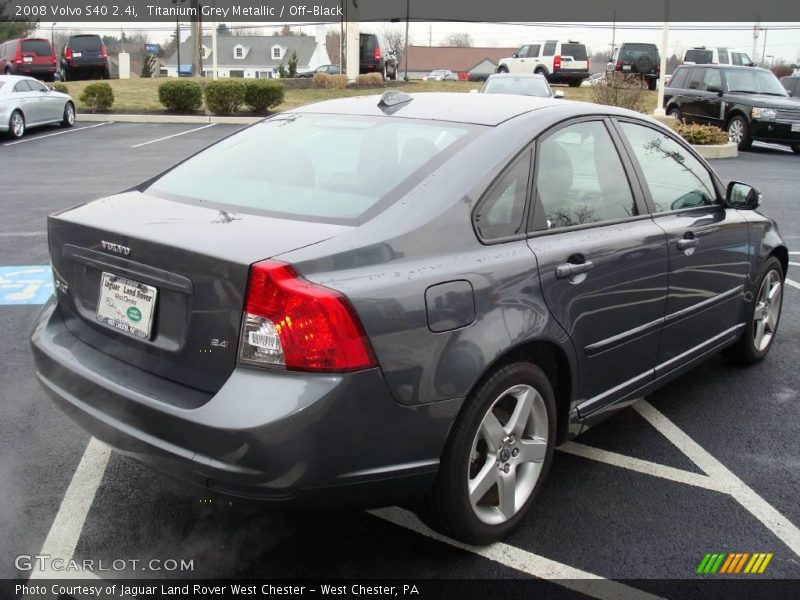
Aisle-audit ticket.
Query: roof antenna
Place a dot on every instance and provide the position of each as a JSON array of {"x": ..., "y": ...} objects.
[{"x": 391, "y": 98}]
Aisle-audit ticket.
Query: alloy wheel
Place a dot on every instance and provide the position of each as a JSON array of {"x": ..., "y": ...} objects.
[
  {"x": 767, "y": 311},
  {"x": 17, "y": 124},
  {"x": 736, "y": 131},
  {"x": 70, "y": 114},
  {"x": 507, "y": 454}
]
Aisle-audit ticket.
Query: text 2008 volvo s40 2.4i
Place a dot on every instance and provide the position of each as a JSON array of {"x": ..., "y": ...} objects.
[{"x": 397, "y": 297}]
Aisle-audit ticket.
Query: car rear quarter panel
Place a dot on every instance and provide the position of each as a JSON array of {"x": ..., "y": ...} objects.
[{"x": 386, "y": 265}]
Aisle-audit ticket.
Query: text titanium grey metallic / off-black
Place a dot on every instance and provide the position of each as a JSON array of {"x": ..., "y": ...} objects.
[{"x": 402, "y": 296}]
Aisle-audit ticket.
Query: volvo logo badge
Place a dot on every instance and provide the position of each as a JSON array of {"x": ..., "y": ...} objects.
[{"x": 115, "y": 248}]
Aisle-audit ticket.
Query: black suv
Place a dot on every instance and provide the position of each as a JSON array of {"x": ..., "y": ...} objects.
[
  {"x": 637, "y": 59},
  {"x": 372, "y": 58},
  {"x": 84, "y": 56},
  {"x": 748, "y": 102}
]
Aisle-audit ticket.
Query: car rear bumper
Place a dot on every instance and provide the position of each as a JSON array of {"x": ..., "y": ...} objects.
[
  {"x": 568, "y": 74},
  {"x": 33, "y": 70},
  {"x": 775, "y": 132},
  {"x": 266, "y": 434}
]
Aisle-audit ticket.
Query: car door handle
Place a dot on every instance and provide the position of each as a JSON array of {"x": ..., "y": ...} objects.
[
  {"x": 688, "y": 242},
  {"x": 571, "y": 269}
]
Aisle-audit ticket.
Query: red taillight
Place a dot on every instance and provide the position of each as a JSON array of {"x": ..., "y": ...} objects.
[
  {"x": 619, "y": 65},
  {"x": 556, "y": 62},
  {"x": 103, "y": 52},
  {"x": 18, "y": 57},
  {"x": 53, "y": 57},
  {"x": 68, "y": 54},
  {"x": 377, "y": 55},
  {"x": 292, "y": 322}
]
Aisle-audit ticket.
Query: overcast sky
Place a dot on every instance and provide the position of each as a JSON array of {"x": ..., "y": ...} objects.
[{"x": 780, "y": 43}]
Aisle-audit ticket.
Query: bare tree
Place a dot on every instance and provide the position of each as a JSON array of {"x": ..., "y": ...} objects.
[
  {"x": 395, "y": 40},
  {"x": 458, "y": 40},
  {"x": 333, "y": 44}
]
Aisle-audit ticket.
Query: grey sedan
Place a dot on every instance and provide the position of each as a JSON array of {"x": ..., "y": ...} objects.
[
  {"x": 525, "y": 84},
  {"x": 379, "y": 298},
  {"x": 26, "y": 102}
]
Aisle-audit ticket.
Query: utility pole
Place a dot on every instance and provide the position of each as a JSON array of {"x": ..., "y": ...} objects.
[
  {"x": 405, "y": 51},
  {"x": 200, "y": 40},
  {"x": 613, "y": 30},
  {"x": 764, "y": 48},
  {"x": 659, "y": 111},
  {"x": 430, "y": 35},
  {"x": 755, "y": 42}
]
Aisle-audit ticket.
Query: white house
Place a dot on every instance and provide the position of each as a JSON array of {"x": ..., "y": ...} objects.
[{"x": 253, "y": 56}]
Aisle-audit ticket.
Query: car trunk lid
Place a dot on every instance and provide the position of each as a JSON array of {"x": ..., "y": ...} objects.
[{"x": 187, "y": 263}]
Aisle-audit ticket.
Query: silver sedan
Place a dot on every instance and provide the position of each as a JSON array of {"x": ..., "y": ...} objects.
[{"x": 26, "y": 102}]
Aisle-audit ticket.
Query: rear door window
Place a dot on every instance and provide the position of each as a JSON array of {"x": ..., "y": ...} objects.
[
  {"x": 550, "y": 47},
  {"x": 576, "y": 51},
  {"x": 696, "y": 79},
  {"x": 22, "y": 86},
  {"x": 534, "y": 50},
  {"x": 37, "y": 47},
  {"x": 85, "y": 43},
  {"x": 712, "y": 77},
  {"x": 723, "y": 56},
  {"x": 678, "y": 79}
]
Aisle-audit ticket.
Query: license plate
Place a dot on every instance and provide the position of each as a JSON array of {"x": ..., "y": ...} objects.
[
  {"x": 795, "y": 127},
  {"x": 76, "y": 54},
  {"x": 626, "y": 67},
  {"x": 27, "y": 59},
  {"x": 126, "y": 305}
]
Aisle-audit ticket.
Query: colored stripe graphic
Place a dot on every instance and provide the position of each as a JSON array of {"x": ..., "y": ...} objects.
[
  {"x": 724, "y": 563},
  {"x": 741, "y": 562}
]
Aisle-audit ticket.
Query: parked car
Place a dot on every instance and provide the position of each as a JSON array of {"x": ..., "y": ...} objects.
[
  {"x": 282, "y": 357},
  {"x": 372, "y": 58},
  {"x": 700, "y": 55},
  {"x": 792, "y": 86},
  {"x": 28, "y": 56},
  {"x": 84, "y": 56},
  {"x": 749, "y": 102},
  {"x": 26, "y": 102},
  {"x": 441, "y": 75},
  {"x": 559, "y": 61},
  {"x": 638, "y": 59},
  {"x": 524, "y": 84},
  {"x": 327, "y": 69}
]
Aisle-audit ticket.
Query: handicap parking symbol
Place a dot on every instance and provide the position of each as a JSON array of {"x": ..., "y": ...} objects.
[{"x": 25, "y": 284}]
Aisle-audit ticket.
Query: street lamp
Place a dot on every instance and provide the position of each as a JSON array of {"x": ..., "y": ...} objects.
[{"x": 178, "y": 34}]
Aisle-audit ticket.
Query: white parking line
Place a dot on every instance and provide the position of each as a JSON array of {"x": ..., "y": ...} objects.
[
  {"x": 794, "y": 252},
  {"x": 794, "y": 284},
  {"x": 41, "y": 137},
  {"x": 62, "y": 539},
  {"x": 166, "y": 137},
  {"x": 729, "y": 483},
  {"x": 524, "y": 561}
]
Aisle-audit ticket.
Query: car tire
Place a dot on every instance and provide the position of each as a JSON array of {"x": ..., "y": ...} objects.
[
  {"x": 796, "y": 148},
  {"x": 739, "y": 132},
  {"x": 69, "y": 115},
  {"x": 575, "y": 83},
  {"x": 763, "y": 318},
  {"x": 502, "y": 69},
  {"x": 675, "y": 113},
  {"x": 505, "y": 464},
  {"x": 16, "y": 124},
  {"x": 651, "y": 84},
  {"x": 106, "y": 74}
]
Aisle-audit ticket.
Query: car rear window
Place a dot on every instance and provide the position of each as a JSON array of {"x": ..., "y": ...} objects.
[
  {"x": 700, "y": 57},
  {"x": 332, "y": 168},
  {"x": 37, "y": 47},
  {"x": 526, "y": 86},
  {"x": 636, "y": 50},
  {"x": 576, "y": 51},
  {"x": 86, "y": 43}
]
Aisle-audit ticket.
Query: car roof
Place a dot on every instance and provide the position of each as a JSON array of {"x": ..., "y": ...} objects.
[
  {"x": 8, "y": 78},
  {"x": 479, "y": 109},
  {"x": 715, "y": 66},
  {"x": 517, "y": 76}
]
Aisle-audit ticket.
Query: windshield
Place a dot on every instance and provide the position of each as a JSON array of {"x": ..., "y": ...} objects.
[
  {"x": 526, "y": 86},
  {"x": 753, "y": 81},
  {"x": 323, "y": 167}
]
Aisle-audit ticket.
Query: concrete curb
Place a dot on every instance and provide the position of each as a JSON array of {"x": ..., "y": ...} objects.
[
  {"x": 712, "y": 152},
  {"x": 201, "y": 119}
]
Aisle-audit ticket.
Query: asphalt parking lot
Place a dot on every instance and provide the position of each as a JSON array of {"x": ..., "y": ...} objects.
[{"x": 710, "y": 463}]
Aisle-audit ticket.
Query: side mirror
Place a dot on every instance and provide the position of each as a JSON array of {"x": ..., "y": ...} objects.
[
  {"x": 741, "y": 195},
  {"x": 50, "y": 88},
  {"x": 558, "y": 94},
  {"x": 714, "y": 89},
  {"x": 515, "y": 55}
]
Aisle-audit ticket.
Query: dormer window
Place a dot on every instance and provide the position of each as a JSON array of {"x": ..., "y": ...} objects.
[
  {"x": 276, "y": 52},
  {"x": 238, "y": 52}
]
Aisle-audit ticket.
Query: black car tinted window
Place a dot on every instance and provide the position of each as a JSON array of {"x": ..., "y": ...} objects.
[
  {"x": 533, "y": 52},
  {"x": 675, "y": 178},
  {"x": 753, "y": 81},
  {"x": 678, "y": 78},
  {"x": 85, "y": 43},
  {"x": 576, "y": 51},
  {"x": 580, "y": 178},
  {"x": 332, "y": 168},
  {"x": 696, "y": 79},
  {"x": 502, "y": 211},
  {"x": 630, "y": 52},
  {"x": 37, "y": 47},
  {"x": 712, "y": 78}
]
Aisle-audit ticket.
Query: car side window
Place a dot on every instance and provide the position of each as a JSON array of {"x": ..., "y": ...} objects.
[
  {"x": 723, "y": 56},
  {"x": 696, "y": 79},
  {"x": 712, "y": 78},
  {"x": 580, "y": 178},
  {"x": 22, "y": 86},
  {"x": 501, "y": 212},
  {"x": 675, "y": 178},
  {"x": 523, "y": 52},
  {"x": 36, "y": 86},
  {"x": 678, "y": 79},
  {"x": 534, "y": 51},
  {"x": 550, "y": 48}
]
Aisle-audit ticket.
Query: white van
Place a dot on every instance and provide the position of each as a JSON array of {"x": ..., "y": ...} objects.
[{"x": 700, "y": 55}]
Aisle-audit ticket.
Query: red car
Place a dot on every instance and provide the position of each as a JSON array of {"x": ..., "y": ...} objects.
[{"x": 29, "y": 56}]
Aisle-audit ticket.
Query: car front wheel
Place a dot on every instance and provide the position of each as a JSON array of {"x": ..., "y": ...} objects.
[
  {"x": 69, "y": 115},
  {"x": 497, "y": 456},
  {"x": 739, "y": 132},
  {"x": 502, "y": 69},
  {"x": 16, "y": 125},
  {"x": 763, "y": 318}
]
